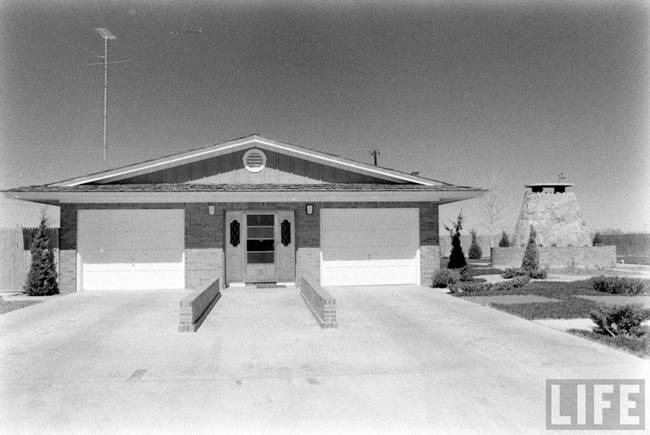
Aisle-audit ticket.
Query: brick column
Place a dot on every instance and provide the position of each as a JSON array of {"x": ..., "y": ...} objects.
[
  {"x": 429, "y": 242},
  {"x": 308, "y": 244},
  {"x": 68, "y": 249},
  {"x": 204, "y": 257}
]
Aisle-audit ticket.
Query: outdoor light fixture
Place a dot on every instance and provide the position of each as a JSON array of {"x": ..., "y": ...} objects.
[
  {"x": 309, "y": 209},
  {"x": 211, "y": 210}
]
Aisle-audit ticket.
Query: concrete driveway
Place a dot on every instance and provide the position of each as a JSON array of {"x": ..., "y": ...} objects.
[{"x": 404, "y": 359}]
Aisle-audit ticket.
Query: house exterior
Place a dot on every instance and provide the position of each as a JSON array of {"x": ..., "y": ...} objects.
[{"x": 250, "y": 210}]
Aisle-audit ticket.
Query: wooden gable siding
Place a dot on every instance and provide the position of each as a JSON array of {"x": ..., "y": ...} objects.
[{"x": 229, "y": 169}]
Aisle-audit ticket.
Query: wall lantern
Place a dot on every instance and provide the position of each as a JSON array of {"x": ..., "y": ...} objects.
[
  {"x": 211, "y": 210},
  {"x": 309, "y": 209}
]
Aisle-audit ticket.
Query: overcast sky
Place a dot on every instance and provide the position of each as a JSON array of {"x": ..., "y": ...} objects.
[{"x": 455, "y": 90}]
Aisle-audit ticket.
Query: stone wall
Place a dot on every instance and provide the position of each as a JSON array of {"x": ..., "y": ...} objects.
[{"x": 564, "y": 258}]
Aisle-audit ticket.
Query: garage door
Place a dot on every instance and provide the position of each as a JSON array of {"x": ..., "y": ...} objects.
[
  {"x": 370, "y": 246},
  {"x": 131, "y": 249}
]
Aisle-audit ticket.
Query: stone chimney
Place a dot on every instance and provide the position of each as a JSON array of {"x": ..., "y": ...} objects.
[{"x": 555, "y": 215}]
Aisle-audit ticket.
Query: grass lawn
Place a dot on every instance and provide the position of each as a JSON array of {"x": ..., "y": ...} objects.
[
  {"x": 570, "y": 307},
  {"x": 639, "y": 346},
  {"x": 6, "y": 306}
]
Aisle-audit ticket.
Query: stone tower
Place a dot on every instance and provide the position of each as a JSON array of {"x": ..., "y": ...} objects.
[{"x": 555, "y": 215}]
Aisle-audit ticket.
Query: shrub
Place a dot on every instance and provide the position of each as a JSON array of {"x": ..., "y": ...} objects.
[
  {"x": 519, "y": 281},
  {"x": 41, "y": 279},
  {"x": 473, "y": 288},
  {"x": 444, "y": 277},
  {"x": 619, "y": 320},
  {"x": 457, "y": 257},
  {"x": 530, "y": 261},
  {"x": 537, "y": 274},
  {"x": 504, "y": 242},
  {"x": 617, "y": 285},
  {"x": 465, "y": 273},
  {"x": 475, "y": 252},
  {"x": 597, "y": 240},
  {"x": 511, "y": 272}
]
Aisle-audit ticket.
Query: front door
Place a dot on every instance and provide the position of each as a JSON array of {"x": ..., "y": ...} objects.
[{"x": 260, "y": 246}]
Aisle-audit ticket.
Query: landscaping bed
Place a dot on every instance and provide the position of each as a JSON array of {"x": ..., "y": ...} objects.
[
  {"x": 569, "y": 307},
  {"x": 6, "y": 306}
]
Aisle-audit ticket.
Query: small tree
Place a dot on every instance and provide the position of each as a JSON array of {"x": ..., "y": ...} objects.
[
  {"x": 41, "y": 279},
  {"x": 475, "y": 251},
  {"x": 492, "y": 207},
  {"x": 530, "y": 263},
  {"x": 457, "y": 257},
  {"x": 504, "y": 242},
  {"x": 597, "y": 241}
]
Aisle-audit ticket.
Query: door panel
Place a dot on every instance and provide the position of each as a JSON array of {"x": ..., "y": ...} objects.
[
  {"x": 234, "y": 247},
  {"x": 286, "y": 248}
]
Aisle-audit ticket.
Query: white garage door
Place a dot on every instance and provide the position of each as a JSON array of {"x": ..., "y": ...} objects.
[
  {"x": 131, "y": 249},
  {"x": 365, "y": 246}
]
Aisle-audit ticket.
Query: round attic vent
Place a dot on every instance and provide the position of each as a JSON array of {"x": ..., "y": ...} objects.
[{"x": 254, "y": 160}]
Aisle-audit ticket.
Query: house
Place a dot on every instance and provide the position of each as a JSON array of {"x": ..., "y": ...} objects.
[{"x": 251, "y": 210}]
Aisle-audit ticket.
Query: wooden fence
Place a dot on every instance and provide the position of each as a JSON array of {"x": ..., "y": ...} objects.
[{"x": 15, "y": 256}]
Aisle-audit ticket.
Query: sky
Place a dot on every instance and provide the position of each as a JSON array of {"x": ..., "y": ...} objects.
[{"x": 488, "y": 94}]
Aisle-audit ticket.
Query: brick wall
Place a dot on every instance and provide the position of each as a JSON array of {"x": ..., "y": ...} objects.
[{"x": 565, "y": 257}]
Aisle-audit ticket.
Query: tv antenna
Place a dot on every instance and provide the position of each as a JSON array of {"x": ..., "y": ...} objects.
[
  {"x": 375, "y": 153},
  {"x": 106, "y": 35}
]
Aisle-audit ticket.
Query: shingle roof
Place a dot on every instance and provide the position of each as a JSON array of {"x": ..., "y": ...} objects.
[{"x": 193, "y": 187}]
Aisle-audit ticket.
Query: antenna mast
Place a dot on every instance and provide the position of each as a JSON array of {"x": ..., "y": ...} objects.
[{"x": 106, "y": 35}]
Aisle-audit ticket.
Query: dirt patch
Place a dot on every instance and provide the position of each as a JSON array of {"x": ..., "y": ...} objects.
[{"x": 6, "y": 306}]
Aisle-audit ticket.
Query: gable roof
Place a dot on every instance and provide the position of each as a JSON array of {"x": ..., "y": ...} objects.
[{"x": 254, "y": 140}]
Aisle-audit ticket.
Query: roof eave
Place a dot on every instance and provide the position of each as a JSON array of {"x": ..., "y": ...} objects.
[{"x": 442, "y": 197}]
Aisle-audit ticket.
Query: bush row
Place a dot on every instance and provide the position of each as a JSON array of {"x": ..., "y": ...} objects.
[{"x": 617, "y": 285}]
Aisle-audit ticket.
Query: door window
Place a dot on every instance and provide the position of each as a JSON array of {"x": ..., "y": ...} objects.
[{"x": 260, "y": 238}]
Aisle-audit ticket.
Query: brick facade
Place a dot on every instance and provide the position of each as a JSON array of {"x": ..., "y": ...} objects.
[{"x": 205, "y": 234}]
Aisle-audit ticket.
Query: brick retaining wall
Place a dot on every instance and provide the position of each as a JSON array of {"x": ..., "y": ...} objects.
[
  {"x": 195, "y": 307},
  {"x": 567, "y": 258},
  {"x": 320, "y": 303}
]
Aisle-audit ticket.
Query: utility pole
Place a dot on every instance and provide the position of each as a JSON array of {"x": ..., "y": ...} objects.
[{"x": 375, "y": 153}]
